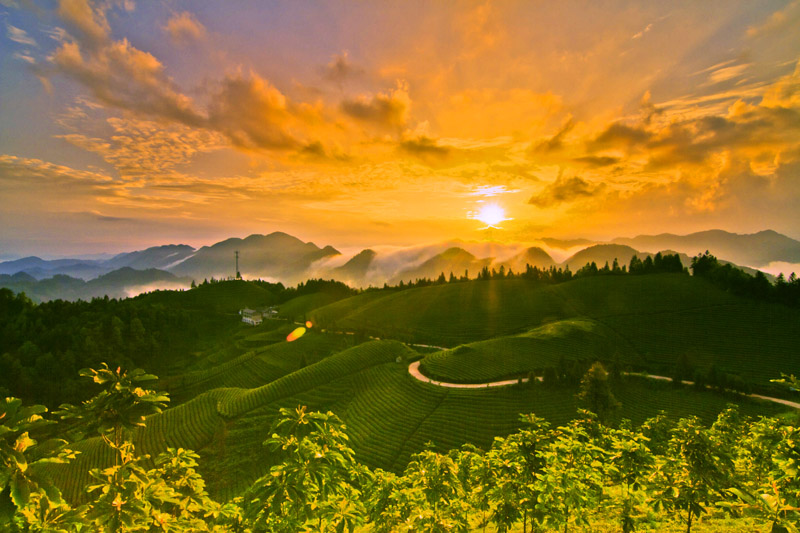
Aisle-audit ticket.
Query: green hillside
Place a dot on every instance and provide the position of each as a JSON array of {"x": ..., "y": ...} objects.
[
  {"x": 300, "y": 307},
  {"x": 517, "y": 355},
  {"x": 653, "y": 319},
  {"x": 453, "y": 313},
  {"x": 226, "y": 398},
  {"x": 225, "y": 296}
]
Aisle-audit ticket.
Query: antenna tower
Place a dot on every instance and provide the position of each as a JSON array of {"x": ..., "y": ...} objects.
[{"x": 238, "y": 274}]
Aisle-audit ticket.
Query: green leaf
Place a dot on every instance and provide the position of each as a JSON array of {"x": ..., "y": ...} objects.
[
  {"x": 6, "y": 506},
  {"x": 20, "y": 490}
]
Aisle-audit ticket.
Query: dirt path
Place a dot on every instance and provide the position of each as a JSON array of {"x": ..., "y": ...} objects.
[
  {"x": 781, "y": 401},
  {"x": 413, "y": 369}
]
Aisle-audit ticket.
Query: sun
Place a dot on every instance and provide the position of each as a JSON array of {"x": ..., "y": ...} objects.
[{"x": 491, "y": 215}]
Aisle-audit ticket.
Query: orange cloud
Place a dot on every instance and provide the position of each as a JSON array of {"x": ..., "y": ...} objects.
[
  {"x": 184, "y": 28},
  {"x": 387, "y": 110}
]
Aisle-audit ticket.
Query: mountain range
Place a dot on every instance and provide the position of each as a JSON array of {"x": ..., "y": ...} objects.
[{"x": 282, "y": 257}]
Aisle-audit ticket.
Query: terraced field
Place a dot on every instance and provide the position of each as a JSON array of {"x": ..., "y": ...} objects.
[
  {"x": 755, "y": 340},
  {"x": 452, "y": 314},
  {"x": 259, "y": 367},
  {"x": 534, "y": 350}
]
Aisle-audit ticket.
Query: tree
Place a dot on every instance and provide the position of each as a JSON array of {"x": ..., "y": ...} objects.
[
  {"x": 693, "y": 471},
  {"x": 122, "y": 405},
  {"x": 504, "y": 492},
  {"x": 630, "y": 465},
  {"x": 570, "y": 484},
  {"x": 595, "y": 393},
  {"x": 316, "y": 483}
]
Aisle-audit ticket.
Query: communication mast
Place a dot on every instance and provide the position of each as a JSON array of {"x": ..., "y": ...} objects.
[{"x": 238, "y": 274}]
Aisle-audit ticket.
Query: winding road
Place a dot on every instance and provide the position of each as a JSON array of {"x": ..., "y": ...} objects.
[{"x": 413, "y": 369}]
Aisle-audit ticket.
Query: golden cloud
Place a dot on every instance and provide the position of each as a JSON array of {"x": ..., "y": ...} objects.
[
  {"x": 387, "y": 110},
  {"x": 184, "y": 28}
]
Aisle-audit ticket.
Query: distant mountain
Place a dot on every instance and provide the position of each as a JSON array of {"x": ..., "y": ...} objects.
[
  {"x": 120, "y": 283},
  {"x": 602, "y": 253},
  {"x": 277, "y": 255},
  {"x": 756, "y": 249},
  {"x": 534, "y": 256},
  {"x": 565, "y": 244},
  {"x": 355, "y": 270},
  {"x": 41, "y": 268},
  {"x": 455, "y": 260},
  {"x": 161, "y": 257}
]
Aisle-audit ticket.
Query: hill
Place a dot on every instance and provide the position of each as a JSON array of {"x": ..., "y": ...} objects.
[
  {"x": 455, "y": 260},
  {"x": 277, "y": 256},
  {"x": 161, "y": 257},
  {"x": 121, "y": 283},
  {"x": 601, "y": 254},
  {"x": 354, "y": 272},
  {"x": 755, "y": 249},
  {"x": 661, "y": 316},
  {"x": 534, "y": 256},
  {"x": 549, "y": 345}
]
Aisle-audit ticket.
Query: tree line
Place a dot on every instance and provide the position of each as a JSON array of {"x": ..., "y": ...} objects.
[
  {"x": 659, "y": 263},
  {"x": 739, "y": 282},
  {"x": 540, "y": 477}
]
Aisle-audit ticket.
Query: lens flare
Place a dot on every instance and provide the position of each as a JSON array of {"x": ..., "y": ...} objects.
[
  {"x": 308, "y": 324},
  {"x": 296, "y": 334}
]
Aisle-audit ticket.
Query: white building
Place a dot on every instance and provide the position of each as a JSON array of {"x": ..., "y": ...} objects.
[{"x": 251, "y": 317}]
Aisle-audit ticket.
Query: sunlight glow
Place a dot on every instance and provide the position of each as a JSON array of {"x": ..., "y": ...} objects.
[{"x": 491, "y": 215}]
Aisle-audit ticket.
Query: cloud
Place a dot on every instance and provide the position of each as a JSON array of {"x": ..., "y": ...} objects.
[
  {"x": 780, "y": 21},
  {"x": 425, "y": 148},
  {"x": 565, "y": 190},
  {"x": 341, "y": 69},
  {"x": 726, "y": 73},
  {"x": 253, "y": 114},
  {"x": 29, "y": 171},
  {"x": 387, "y": 109},
  {"x": 87, "y": 20},
  {"x": 25, "y": 57},
  {"x": 597, "y": 161},
  {"x": 122, "y": 76},
  {"x": 556, "y": 142},
  {"x": 147, "y": 149},
  {"x": 620, "y": 135},
  {"x": 19, "y": 35},
  {"x": 184, "y": 28},
  {"x": 641, "y": 33}
]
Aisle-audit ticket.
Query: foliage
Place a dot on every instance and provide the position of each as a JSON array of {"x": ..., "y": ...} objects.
[
  {"x": 22, "y": 489},
  {"x": 693, "y": 472},
  {"x": 596, "y": 393},
  {"x": 317, "y": 484},
  {"x": 122, "y": 405}
]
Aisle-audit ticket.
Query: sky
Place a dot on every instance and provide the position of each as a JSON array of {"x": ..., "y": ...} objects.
[{"x": 126, "y": 124}]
